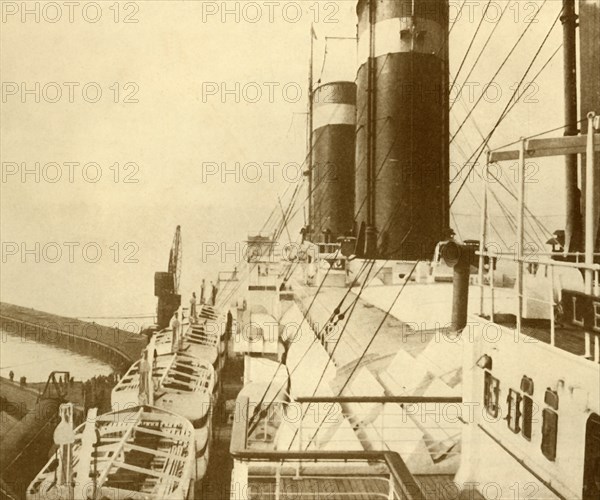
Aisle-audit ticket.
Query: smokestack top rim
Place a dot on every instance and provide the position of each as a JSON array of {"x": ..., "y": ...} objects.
[{"x": 334, "y": 82}]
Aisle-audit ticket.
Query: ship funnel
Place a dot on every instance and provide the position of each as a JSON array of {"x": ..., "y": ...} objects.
[
  {"x": 402, "y": 161},
  {"x": 334, "y": 118},
  {"x": 332, "y": 123}
]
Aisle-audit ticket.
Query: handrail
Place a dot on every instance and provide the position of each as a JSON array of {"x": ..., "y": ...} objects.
[
  {"x": 543, "y": 262},
  {"x": 379, "y": 399},
  {"x": 538, "y": 148},
  {"x": 402, "y": 477},
  {"x": 560, "y": 254},
  {"x": 399, "y": 473},
  {"x": 228, "y": 276}
]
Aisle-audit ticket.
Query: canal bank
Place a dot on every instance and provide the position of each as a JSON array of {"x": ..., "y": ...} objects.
[{"x": 114, "y": 346}]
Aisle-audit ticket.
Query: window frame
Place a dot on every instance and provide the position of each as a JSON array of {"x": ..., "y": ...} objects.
[
  {"x": 513, "y": 415},
  {"x": 550, "y": 425},
  {"x": 527, "y": 407},
  {"x": 491, "y": 394}
]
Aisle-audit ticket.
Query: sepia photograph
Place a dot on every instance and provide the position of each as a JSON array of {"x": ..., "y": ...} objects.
[{"x": 300, "y": 250}]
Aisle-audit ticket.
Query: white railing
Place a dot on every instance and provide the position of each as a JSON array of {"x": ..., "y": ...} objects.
[
  {"x": 539, "y": 148},
  {"x": 382, "y": 473},
  {"x": 546, "y": 267}
]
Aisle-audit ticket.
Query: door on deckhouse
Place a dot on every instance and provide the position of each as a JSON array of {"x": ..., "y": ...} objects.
[{"x": 591, "y": 470}]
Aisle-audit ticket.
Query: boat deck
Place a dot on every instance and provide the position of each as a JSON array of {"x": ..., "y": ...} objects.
[{"x": 393, "y": 336}]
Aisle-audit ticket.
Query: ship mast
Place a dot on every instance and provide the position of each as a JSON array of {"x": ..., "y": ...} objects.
[
  {"x": 371, "y": 231},
  {"x": 309, "y": 135},
  {"x": 573, "y": 226},
  {"x": 589, "y": 86}
]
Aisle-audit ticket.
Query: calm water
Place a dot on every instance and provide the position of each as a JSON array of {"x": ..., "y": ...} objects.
[{"x": 35, "y": 361}]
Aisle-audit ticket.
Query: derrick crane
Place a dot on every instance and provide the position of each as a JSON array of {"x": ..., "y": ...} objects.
[
  {"x": 166, "y": 284},
  {"x": 175, "y": 258}
]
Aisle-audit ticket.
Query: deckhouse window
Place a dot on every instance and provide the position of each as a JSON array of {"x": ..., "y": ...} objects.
[
  {"x": 491, "y": 391},
  {"x": 520, "y": 408},
  {"x": 550, "y": 424},
  {"x": 514, "y": 410},
  {"x": 527, "y": 406}
]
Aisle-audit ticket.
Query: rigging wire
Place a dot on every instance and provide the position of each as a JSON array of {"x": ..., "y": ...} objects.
[
  {"x": 292, "y": 201},
  {"x": 457, "y": 17},
  {"x": 489, "y": 38},
  {"x": 509, "y": 188},
  {"x": 453, "y": 200},
  {"x": 542, "y": 238},
  {"x": 464, "y": 59},
  {"x": 351, "y": 309},
  {"x": 444, "y": 43},
  {"x": 506, "y": 58},
  {"x": 503, "y": 115},
  {"x": 512, "y": 102},
  {"x": 368, "y": 346},
  {"x": 252, "y": 424},
  {"x": 476, "y": 202},
  {"x": 317, "y": 337}
]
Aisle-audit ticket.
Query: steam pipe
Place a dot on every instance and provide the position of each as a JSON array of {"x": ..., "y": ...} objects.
[
  {"x": 460, "y": 284},
  {"x": 589, "y": 220}
]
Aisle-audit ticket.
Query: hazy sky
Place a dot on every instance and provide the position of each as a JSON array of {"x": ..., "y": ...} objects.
[{"x": 170, "y": 131}]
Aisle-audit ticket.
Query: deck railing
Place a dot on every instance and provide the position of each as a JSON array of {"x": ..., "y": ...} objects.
[
  {"x": 383, "y": 472},
  {"x": 378, "y": 423},
  {"x": 539, "y": 148},
  {"x": 228, "y": 276},
  {"x": 547, "y": 269}
]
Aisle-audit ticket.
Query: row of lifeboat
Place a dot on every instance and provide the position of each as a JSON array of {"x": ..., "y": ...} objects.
[{"x": 155, "y": 443}]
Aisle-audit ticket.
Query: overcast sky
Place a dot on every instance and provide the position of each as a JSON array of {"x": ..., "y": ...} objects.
[{"x": 170, "y": 131}]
